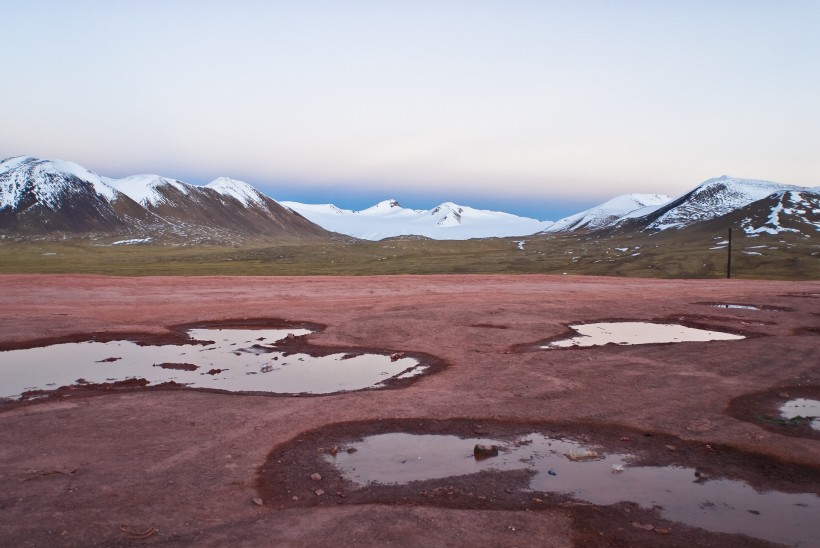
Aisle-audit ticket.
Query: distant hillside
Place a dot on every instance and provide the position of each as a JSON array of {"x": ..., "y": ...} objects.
[
  {"x": 40, "y": 197},
  {"x": 447, "y": 221}
]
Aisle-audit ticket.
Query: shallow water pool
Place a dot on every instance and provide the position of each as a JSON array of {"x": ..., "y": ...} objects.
[
  {"x": 236, "y": 360},
  {"x": 563, "y": 466},
  {"x": 629, "y": 333}
]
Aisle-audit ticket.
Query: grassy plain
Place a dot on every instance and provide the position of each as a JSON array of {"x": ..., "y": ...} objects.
[{"x": 666, "y": 255}]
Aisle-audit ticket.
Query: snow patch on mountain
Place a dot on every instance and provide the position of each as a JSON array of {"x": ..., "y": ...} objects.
[
  {"x": 240, "y": 190},
  {"x": 610, "y": 212},
  {"x": 447, "y": 221},
  {"x": 798, "y": 208},
  {"x": 144, "y": 189}
]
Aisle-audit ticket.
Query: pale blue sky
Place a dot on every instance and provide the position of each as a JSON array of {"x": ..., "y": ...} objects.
[{"x": 541, "y": 107}]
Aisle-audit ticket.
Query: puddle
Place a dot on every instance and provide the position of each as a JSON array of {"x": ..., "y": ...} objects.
[
  {"x": 567, "y": 467},
  {"x": 235, "y": 360},
  {"x": 737, "y": 306},
  {"x": 802, "y": 407},
  {"x": 630, "y": 333},
  {"x": 777, "y": 410}
]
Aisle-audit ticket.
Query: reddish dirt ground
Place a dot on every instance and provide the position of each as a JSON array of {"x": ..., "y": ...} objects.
[{"x": 182, "y": 467}]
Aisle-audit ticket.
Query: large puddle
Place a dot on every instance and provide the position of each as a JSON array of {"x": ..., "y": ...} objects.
[
  {"x": 236, "y": 360},
  {"x": 629, "y": 333},
  {"x": 567, "y": 467},
  {"x": 802, "y": 408}
]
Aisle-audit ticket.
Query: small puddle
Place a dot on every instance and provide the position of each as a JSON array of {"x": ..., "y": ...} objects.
[
  {"x": 235, "y": 360},
  {"x": 804, "y": 408},
  {"x": 567, "y": 467},
  {"x": 737, "y": 306},
  {"x": 630, "y": 333}
]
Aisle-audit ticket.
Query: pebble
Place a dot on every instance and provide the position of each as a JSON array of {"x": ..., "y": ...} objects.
[
  {"x": 257, "y": 501},
  {"x": 319, "y": 492},
  {"x": 316, "y": 476}
]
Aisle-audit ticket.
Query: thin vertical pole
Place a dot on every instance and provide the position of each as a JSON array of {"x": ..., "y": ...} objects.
[{"x": 729, "y": 257}]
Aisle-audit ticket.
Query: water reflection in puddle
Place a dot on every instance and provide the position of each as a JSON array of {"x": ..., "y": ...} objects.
[
  {"x": 628, "y": 333},
  {"x": 562, "y": 466},
  {"x": 802, "y": 407},
  {"x": 737, "y": 306},
  {"x": 239, "y": 360}
]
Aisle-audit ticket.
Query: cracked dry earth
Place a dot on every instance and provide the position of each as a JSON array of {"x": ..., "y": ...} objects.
[{"x": 127, "y": 464}]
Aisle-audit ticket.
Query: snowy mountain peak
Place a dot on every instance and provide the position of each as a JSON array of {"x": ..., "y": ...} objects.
[
  {"x": 146, "y": 189},
  {"x": 46, "y": 180},
  {"x": 711, "y": 199},
  {"x": 610, "y": 212},
  {"x": 447, "y": 221},
  {"x": 239, "y": 190},
  {"x": 44, "y": 196}
]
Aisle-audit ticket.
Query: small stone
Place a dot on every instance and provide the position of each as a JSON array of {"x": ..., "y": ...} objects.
[
  {"x": 784, "y": 395},
  {"x": 481, "y": 451},
  {"x": 316, "y": 476},
  {"x": 663, "y": 530},
  {"x": 671, "y": 447},
  {"x": 257, "y": 501},
  {"x": 351, "y": 450},
  {"x": 625, "y": 438},
  {"x": 644, "y": 526},
  {"x": 295, "y": 498},
  {"x": 319, "y": 492}
]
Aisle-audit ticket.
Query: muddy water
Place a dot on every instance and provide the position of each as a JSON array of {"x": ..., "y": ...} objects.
[
  {"x": 232, "y": 360},
  {"x": 562, "y": 466},
  {"x": 628, "y": 333},
  {"x": 802, "y": 407}
]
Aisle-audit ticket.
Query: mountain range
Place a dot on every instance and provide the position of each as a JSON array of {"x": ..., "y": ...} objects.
[
  {"x": 50, "y": 196},
  {"x": 47, "y": 197}
]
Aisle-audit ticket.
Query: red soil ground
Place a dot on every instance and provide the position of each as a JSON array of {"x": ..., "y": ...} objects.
[{"x": 99, "y": 467}]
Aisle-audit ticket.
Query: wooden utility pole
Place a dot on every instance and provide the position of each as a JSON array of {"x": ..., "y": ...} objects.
[{"x": 729, "y": 257}]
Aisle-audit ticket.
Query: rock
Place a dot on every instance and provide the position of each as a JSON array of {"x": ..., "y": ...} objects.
[
  {"x": 481, "y": 451},
  {"x": 319, "y": 492},
  {"x": 257, "y": 501},
  {"x": 316, "y": 476},
  {"x": 644, "y": 526},
  {"x": 586, "y": 455}
]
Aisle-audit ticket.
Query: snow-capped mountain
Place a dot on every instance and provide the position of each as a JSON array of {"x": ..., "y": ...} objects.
[
  {"x": 713, "y": 200},
  {"x": 785, "y": 211},
  {"x": 39, "y": 196},
  {"x": 709, "y": 200},
  {"x": 447, "y": 221},
  {"x": 609, "y": 212},
  {"x": 51, "y": 196}
]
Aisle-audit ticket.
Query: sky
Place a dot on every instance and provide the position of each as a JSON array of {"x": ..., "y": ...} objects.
[{"x": 539, "y": 108}]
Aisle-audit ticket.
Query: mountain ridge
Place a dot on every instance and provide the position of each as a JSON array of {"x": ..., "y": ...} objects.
[
  {"x": 39, "y": 196},
  {"x": 45, "y": 196}
]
